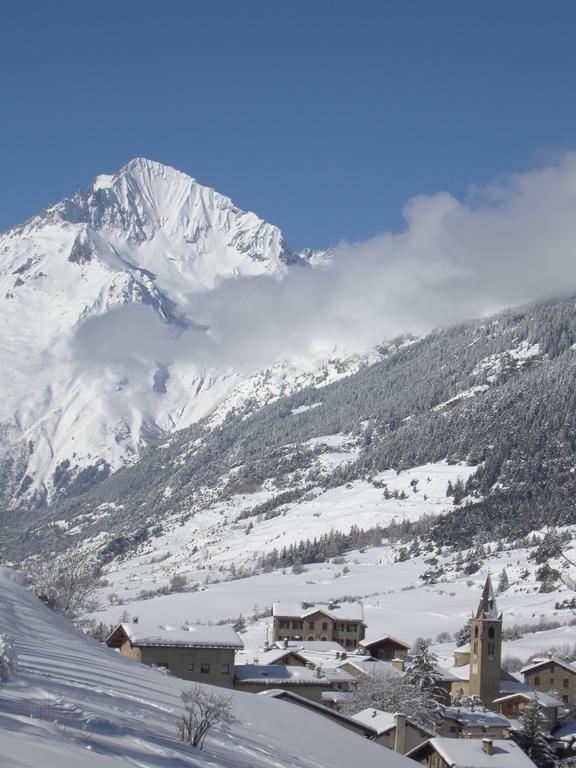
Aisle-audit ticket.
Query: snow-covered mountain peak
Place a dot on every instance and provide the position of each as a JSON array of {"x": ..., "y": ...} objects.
[{"x": 149, "y": 235}]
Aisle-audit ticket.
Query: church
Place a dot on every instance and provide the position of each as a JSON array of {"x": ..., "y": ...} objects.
[{"x": 479, "y": 669}]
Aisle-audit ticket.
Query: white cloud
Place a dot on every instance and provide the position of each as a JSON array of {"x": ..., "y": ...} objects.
[{"x": 511, "y": 242}]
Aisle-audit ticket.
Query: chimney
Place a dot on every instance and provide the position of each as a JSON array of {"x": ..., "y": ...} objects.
[
  {"x": 285, "y": 642},
  {"x": 488, "y": 746},
  {"x": 400, "y": 733},
  {"x": 318, "y": 672}
]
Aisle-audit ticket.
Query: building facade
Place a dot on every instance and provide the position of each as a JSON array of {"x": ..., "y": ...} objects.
[
  {"x": 310, "y": 622},
  {"x": 552, "y": 674},
  {"x": 199, "y": 653},
  {"x": 385, "y": 648}
]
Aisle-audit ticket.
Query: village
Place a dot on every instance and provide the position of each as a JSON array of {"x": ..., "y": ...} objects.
[{"x": 322, "y": 658}]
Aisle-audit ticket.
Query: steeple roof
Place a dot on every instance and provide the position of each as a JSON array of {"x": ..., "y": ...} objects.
[{"x": 487, "y": 607}]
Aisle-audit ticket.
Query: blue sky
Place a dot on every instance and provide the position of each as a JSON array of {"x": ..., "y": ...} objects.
[{"x": 322, "y": 116}]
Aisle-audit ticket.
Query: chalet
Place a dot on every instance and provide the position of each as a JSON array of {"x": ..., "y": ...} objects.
[
  {"x": 395, "y": 731},
  {"x": 442, "y": 752},
  {"x": 309, "y": 621},
  {"x": 513, "y": 704},
  {"x": 204, "y": 654},
  {"x": 552, "y": 674},
  {"x": 473, "y": 723},
  {"x": 385, "y": 648},
  {"x": 308, "y": 682}
]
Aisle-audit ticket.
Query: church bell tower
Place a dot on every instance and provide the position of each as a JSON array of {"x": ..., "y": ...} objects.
[{"x": 486, "y": 649}]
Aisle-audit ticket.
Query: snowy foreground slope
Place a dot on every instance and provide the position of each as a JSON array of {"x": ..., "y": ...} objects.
[{"x": 75, "y": 703}]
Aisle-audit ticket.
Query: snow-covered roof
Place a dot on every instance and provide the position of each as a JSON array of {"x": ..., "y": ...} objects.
[
  {"x": 468, "y": 753},
  {"x": 536, "y": 663},
  {"x": 512, "y": 686},
  {"x": 379, "y": 720},
  {"x": 446, "y": 675},
  {"x": 334, "y": 696},
  {"x": 544, "y": 699},
  {"x": 274, "y": 656},
  {"x": 323, "y": 646},
  {"x": 384, "y": 721},
  {"x": 461, "y": 672},
  {"x": 370, "y": 666},
  {"x": 336, "y": 611},
  {"x": 276, "y": 674},
  {"x": 472, "y": 717},
  {"x": 566, "y": 731},
  {"x": 368, "y": 641},
  {"x": 181, "y": 636}
]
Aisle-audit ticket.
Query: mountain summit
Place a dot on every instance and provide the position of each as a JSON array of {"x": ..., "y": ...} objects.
[{"x": 146, "y": 235}]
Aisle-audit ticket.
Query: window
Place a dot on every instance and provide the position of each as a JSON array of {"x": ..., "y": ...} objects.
[
  {"x": 565, "y": 699},
  {"x": 296, "y": 625},
  {"x": 163, "y": 665},
  {"x": 310, "y": 625},
  {"x": 283, "y": 624},
  {"x": 191, "y": 667},
  {"x": 225, "y": 669},
  {"x": 491, "y": 632},
  {"x": 351, "y": 628},
  {"x": 536, "y": 680},
  {"x": 324, "y": 626},
  {"x": 205, "y": 669},
  {"x": 551, "y": 681},
  {"x": 476, "y": 631},
  {"x": 566, "y": 683}
]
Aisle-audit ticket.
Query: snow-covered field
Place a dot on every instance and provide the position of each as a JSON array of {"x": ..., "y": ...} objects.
[
  {"x": 76, "y": 704},
  {"x": 395, "y": 598},
  {"x": 204, "y": 546}
]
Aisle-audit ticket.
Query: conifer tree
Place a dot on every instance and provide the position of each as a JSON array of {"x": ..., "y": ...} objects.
[
  {"x": 503, "y": 582},
  {"x": 462, "y": 637},
  {"x": 423, "y": 676},
  {"x": 531, "y": 737}
]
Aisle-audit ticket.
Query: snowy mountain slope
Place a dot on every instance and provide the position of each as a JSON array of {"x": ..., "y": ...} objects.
[
  {"x": 459, "y": 394},
  {"x": 150, "y": 237},
  {"x": 74, "y": 702}
]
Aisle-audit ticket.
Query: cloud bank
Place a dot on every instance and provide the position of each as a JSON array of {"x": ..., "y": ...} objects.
[{"x": 511, "y": 242}]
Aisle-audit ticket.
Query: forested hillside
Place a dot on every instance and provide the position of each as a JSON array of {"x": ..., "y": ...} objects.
[{"x": 498, "y": 394}]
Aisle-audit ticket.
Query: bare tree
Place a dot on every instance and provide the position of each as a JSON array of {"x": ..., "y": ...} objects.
[
  {"x": 202, "y": 710},
  {"x": 66, "y": 582}
]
